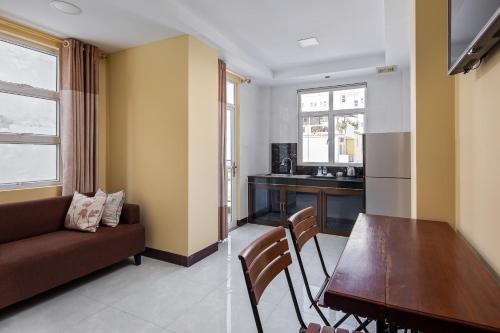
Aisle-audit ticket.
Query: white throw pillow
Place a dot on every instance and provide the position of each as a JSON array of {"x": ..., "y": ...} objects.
[
  {"x": 84, "y": 213},
  {"x": 112, "y": 207}
]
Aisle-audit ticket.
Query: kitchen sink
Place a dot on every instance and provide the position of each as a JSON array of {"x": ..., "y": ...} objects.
[{"x": 288, "y": 175}]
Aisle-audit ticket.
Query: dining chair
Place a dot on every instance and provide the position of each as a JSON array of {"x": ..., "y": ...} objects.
[
  {"x": 262, "y": 261},
  {"x": 304, "y": 227}
]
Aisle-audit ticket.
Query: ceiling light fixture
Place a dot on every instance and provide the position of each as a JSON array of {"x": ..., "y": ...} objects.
[
  {"x": 66, "y": 7},
  {"x": 308, "y": 42}
]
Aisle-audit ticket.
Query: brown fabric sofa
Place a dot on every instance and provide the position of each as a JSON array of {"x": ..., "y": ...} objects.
[{"x": 37, "y": 253}]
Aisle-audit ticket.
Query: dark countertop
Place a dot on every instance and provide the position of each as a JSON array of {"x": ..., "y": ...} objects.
[{"x": 308, "y": 180}]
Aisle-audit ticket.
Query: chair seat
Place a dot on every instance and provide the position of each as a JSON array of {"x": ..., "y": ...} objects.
[{"x": 315, "y": 328}]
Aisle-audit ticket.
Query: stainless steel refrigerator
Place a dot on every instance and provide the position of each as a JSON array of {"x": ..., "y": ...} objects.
[{"x": 387, "y": 163}]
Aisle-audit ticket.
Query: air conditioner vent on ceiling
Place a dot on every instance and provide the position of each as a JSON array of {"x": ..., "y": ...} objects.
[{"x": 386, "y": 69}]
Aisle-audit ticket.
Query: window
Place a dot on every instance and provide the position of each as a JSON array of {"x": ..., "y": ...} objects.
[
  {"x": 331, "y": 125},
  {"x": 29, "y": 114}
]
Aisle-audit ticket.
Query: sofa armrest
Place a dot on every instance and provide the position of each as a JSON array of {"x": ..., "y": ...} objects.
[{"x": 130, "y": 214}]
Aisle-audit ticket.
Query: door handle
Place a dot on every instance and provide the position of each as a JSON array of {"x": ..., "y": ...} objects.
[{"x": 233, "y": 169}]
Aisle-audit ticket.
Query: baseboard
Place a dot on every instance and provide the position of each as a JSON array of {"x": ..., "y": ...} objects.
[
  {"x": 202, "y": 254},
  {"x": 178, "y": 259},
  {"x": 241, "y": 222},
  {"x": 170, "y": 257}
]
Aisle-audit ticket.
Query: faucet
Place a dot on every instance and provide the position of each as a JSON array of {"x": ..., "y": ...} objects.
[{"x": 291, "y": 163}]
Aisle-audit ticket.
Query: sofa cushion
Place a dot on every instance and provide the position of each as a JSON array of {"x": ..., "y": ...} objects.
[
  {"x": 31, "y": 218},
  {"x": 32, "y": 265},
  {"x": 112, "y": 207},
  {"x": 85, "y": 212}
]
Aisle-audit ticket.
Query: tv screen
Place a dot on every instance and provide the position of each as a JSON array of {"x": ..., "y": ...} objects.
[{"x": 467, "y": 20}]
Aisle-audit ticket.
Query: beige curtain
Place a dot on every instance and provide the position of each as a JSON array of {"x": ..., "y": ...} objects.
[
  {"x": 79, "y": 68},
  {"x": 222, "y": 153}
]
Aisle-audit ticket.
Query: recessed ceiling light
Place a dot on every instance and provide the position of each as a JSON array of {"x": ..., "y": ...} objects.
[
  {"x": 308, "y": 42},
  {"x": 65, "y": 7}
]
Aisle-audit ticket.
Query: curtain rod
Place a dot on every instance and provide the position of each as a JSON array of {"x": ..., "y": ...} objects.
[
  {"x": 21, "y": 31},
  {"x": 242, "y": 78}
]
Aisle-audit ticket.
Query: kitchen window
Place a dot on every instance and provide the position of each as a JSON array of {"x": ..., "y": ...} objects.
[
  {"x": 331, "y": 125},
  {"x": 29, "y": 115}
]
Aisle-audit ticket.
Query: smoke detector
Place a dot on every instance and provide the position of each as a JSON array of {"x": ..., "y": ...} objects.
[{"x": 66, "y": 7}]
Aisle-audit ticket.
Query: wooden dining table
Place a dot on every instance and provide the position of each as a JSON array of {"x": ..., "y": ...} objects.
[{"x": 414, "y": 274}]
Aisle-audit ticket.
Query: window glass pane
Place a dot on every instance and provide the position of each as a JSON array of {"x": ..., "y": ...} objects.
[
  {"x": 349, "y": 139},
  {"x": 349, "y": 99},
  {"x": 229, "y": 120},
  {"x": 315, "y": 139},
  {"x": 21, "y": 114},
  {"x": 23, "y": 65},
  {"x": 230, "y": 92},
  {"x": 27, "y": 163},
  {"x": 315, "y": 102}
]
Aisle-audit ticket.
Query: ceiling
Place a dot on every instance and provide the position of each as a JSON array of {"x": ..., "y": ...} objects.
[
  {"x": 256, "y": 38},
  {"x": 269, "y": 30}
]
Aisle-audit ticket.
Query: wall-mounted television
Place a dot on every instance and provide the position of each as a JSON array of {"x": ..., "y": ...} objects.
[{"x": 474, "y": 29}]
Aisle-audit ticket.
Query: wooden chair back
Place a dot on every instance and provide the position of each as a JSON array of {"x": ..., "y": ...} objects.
[
  {"x": 263, "y": 260},
  {"x": 304, "y": 226}
]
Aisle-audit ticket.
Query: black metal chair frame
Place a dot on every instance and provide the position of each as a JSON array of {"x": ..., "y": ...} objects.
[
  {"x": 314, "y": 300},
  {"x": 255, "y": 310}
]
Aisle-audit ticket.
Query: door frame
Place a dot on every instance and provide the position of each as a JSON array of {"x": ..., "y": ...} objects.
[{"x": 235, "y": 185}]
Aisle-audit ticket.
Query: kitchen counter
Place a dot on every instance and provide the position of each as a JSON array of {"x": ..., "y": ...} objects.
[
  {"x": 273, "y": 198},
  {"x": 308, "y": 180}
]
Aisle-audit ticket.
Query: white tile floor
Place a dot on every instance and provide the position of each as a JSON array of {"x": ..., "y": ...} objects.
[{"x": 160, "y": 297}]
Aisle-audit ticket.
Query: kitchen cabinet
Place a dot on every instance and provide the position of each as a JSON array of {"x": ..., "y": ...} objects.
[
  {"x": 298, "y": 199},
  {"x": 265, "y": 205},
  {"x": 273, "y": 204},
  {"x": 341, "y": 209},
  {"x": 273, "y": 199}
]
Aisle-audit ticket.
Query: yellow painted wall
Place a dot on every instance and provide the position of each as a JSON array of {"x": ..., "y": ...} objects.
[
  {"x": 148, "y": 147},
  {"x": 162, "y": 139},
  {"x": 202, "y": 146},
  {"x": 29, "y": 194},
  {"x": 433, "y": 130},
  {"x": 477, "y": 107}
]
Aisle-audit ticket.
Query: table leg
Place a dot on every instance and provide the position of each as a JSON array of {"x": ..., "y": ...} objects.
[
  {"x": 380, "y": 326},
  {"x": 393, "y": 329}
]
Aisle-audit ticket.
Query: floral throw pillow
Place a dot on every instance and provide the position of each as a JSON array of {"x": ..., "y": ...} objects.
[
  {"x": 112, "y": 207},
  {"x": 84, "y": 213}
]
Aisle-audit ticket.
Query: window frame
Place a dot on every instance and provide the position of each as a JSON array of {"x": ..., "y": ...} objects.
[
  {"x": 331, "y": 113},
  {"x": 40, "y": 93}
]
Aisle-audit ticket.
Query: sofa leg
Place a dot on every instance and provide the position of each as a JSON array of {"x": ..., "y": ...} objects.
[{"x": 137, "y": 259}]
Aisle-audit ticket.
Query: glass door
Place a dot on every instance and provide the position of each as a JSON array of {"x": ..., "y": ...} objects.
[
  {"x": 265, "y": 204},
  {"x": 342, "y": 208},
  {"x": 297, "y": 200},
  {"x": 231, "y": 154}
]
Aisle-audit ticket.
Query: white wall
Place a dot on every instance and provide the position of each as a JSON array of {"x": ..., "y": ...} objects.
[
  {"x": 255, "y": 102},
  {"x": 388, "y": 104},
  {"x": 269, "y": 115}
]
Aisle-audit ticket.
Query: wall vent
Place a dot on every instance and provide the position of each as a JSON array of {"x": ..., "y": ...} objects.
[{"x": 387, "y": 69}]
